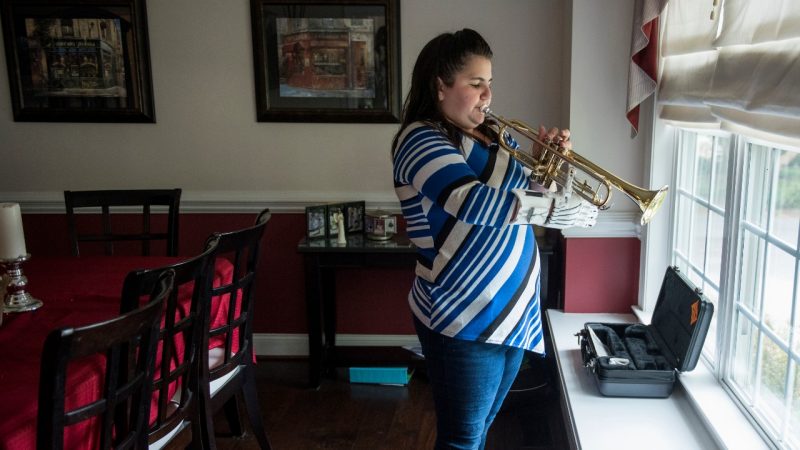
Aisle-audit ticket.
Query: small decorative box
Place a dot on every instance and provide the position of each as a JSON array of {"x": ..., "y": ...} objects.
[{"x": 380, "y": 225}]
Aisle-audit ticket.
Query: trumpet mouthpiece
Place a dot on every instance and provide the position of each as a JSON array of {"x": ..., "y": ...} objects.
[{"x": 485, "y": 109}]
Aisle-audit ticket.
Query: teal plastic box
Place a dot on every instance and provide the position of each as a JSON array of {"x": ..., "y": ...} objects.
[{"x": 380, "y": 375}]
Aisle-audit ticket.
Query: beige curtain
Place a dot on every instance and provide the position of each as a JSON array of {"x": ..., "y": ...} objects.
[{"x": 736, "y": 69}]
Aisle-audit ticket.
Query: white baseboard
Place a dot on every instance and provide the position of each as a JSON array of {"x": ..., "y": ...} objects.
[{"x": 285, "y": 344}]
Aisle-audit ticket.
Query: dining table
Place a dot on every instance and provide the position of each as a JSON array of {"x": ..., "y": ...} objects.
[{"x": 75, "y": 291}]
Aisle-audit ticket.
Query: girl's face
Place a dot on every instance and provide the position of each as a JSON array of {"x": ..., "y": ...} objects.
[{"x": 460, "y": 103}]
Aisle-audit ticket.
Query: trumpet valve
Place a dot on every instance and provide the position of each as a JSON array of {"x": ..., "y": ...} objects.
[{"x": 538, "y": 175}]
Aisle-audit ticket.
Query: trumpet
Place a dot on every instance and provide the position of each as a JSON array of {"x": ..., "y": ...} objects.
[{"x": 559, "y": 165}]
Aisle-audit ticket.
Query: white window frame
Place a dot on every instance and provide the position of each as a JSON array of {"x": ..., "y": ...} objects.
[
  {"x": 733, "y": 258},
  {"x": 728, "y": 419},
  {"x": 729, "y": 218}
]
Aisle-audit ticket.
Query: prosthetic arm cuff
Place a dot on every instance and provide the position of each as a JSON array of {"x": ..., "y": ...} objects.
[{"x": 534, "y": 207}]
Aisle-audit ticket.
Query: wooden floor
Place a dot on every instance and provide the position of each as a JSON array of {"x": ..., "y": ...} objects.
[{"x": 340, "y": 415}]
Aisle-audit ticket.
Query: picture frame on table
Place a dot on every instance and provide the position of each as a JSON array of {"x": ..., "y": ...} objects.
[
  {"x": 332, "y": 210},
  {"x": 78, "y": 60},
  {"x": 334, "y": 61},
  {"x": 316, "y": 222},
  {"x": 354, "y": 217}
]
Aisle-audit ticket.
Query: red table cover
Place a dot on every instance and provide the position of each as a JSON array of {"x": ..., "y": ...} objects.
[{"x": 75, "y": 291}]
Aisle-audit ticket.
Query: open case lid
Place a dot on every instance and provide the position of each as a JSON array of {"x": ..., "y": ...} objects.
[{"x": 681, "y": 319}]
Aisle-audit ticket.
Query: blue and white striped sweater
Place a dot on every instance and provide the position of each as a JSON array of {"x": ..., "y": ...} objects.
[{"x": 477, "y": 274}]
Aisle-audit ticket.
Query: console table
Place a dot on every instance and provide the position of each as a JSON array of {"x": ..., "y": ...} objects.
[{"x": 324, "y": 256}]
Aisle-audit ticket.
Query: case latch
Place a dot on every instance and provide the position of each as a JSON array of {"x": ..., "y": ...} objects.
[{"x": 588, "y": 356}]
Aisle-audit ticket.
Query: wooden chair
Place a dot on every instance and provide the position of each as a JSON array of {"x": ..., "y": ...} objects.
[
  {"x": 122, "y": 408},
  {"x": 228, "y": 372},
  {"x": 125, "y": 199},
  {"x": 175, "y": 382}
]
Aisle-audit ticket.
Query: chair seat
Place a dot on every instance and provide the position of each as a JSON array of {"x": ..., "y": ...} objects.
[
  {"x": 167, "y": 438},
  {"x": 217, "y": 384},
  {"x": 216, "y": 356}
]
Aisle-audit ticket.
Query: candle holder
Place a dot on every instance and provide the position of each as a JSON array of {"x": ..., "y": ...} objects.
[{"x": 17, "y": 298}]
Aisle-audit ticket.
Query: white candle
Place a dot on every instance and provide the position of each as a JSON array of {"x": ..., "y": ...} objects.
[{"x": 12, "y": 238}]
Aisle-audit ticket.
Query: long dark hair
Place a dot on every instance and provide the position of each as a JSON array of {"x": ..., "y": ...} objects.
[{"x": 441, "y": 58}]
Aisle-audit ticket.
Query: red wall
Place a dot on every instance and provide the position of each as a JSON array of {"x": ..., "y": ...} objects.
[
  {"x": 372, "y": 302},
  {"x": 601, "y": 275}
]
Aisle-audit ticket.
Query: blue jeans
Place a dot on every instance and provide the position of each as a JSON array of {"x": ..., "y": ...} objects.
[{"x": 469, "y": 380}]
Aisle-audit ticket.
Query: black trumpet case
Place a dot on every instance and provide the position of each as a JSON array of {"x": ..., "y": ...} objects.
[{"x": 637, "y": 360}]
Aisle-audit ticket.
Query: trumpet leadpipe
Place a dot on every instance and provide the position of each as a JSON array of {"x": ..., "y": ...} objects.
[{"x": 519, "y": 127}]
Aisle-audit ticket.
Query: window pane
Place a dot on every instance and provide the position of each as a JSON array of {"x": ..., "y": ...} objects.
[
  {"x": 721, "y": 161},
  {"x": 705, "y": 152},
  {"x": 751, "y": 275},
  {"x": 745, "y": 345},
  {"x": 796, "y": 329},
  {"x": 773, "y": 379},
  {"x": 695, "y": 277},
  {"x": 787, "y": 210},
  {"x": 794, "y": 417},
  {"x": 703, "y": 161},
  {"x": 682, "y": 215},
  {"x": 698, "y": 239},
  {"x": 758, "y": 183},
  {"x": 714, "y": 257},
  {"x": 778, "y": 288},
  {"x": 686, "y": 161}
]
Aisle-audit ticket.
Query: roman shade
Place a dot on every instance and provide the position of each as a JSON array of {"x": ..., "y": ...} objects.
[{"x": 737, "y": 68}]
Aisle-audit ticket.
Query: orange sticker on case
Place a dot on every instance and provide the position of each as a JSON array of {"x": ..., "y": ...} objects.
[{"x": 695, "y": 311}]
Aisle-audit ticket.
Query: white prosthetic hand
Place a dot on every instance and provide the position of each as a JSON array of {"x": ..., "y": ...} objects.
[
  {"x": 555, "y": 209},
  {"x": 571, "y": 211}
]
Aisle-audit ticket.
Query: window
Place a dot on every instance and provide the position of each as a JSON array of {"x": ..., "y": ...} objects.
[
  {"x": 701, "y": 188},
  {"x": 736, "y": 227}
]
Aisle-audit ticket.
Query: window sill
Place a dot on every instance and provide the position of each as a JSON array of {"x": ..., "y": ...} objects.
[{"x": 725, "y": 422}]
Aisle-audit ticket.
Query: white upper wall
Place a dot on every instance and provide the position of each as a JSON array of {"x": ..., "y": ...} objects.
[
  {"x": 207, "y": 141},
  {"x": 601, "y": 34}
]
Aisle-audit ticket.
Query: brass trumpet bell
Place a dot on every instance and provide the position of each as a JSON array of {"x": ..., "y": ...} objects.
[
  {"x": 559, "y": 165},
  {"x": 648, "y": 201}
]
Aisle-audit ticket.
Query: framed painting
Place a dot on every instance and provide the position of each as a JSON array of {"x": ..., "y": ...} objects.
[
  {"x": 78, "y": 60},
  {"x": 334, "y": 61}
]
